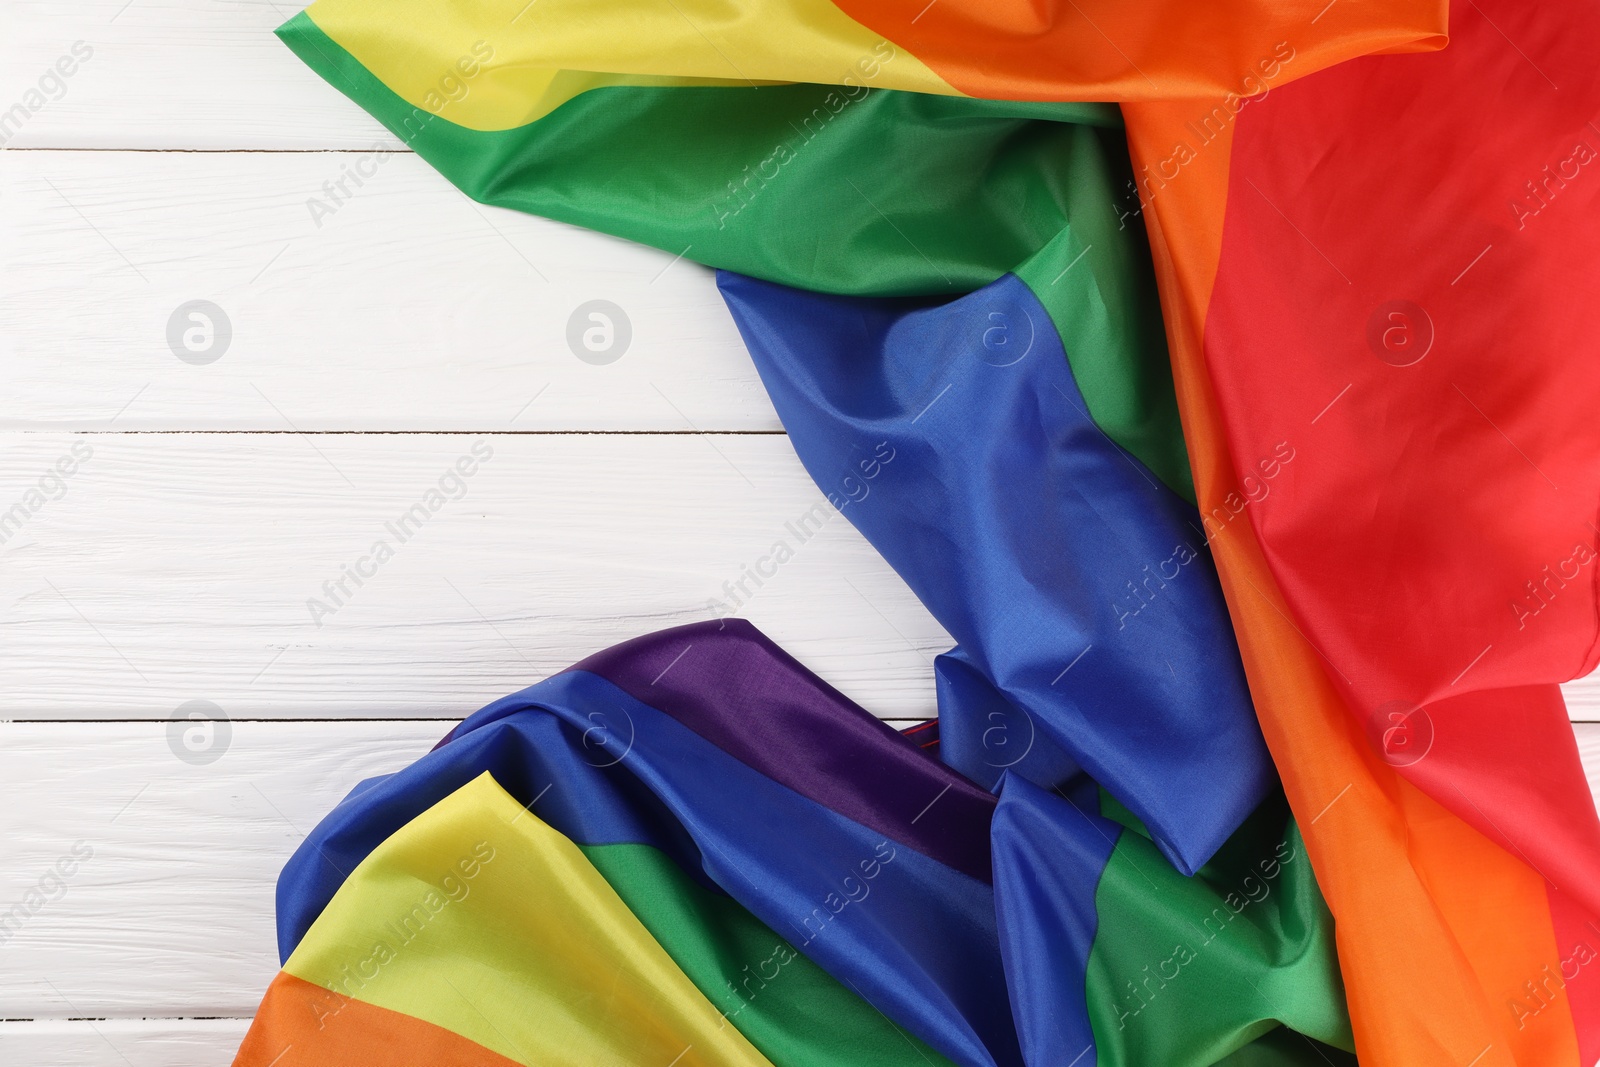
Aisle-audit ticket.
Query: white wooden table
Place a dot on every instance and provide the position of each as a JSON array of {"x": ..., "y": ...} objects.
[{"x": 217, "y": 490}]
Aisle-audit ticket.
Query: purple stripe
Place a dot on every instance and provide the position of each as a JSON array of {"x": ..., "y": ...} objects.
[{"x": 730, "y": 684}]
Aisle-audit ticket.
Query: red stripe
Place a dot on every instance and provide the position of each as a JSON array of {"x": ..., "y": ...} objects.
[{"x": 1407, "y": 354}]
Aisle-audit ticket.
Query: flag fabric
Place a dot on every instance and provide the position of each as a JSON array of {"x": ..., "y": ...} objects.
[
  {"x": 1382, "y": 265},
  {"x": 1073, "y": 579},
  {"x": 690, "y": 845},
  {"x": 1237, "y": 434}
]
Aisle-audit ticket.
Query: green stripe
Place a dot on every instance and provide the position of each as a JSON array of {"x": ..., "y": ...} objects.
[
  {"x": 891, "y": 193},
  {"x": 785, "y": 1005},
  {"x": 1193, "y": 971},
  {"x": 972, "y": 184},
  {"x": 1285, "y": 1048},
  {"x": 1097, "y": 283}
]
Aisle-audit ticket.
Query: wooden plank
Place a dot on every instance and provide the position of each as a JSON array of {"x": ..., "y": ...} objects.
[
  {"x": 121, "y": 1042},
  {"x": 408, "y": 307},
  {"x": 178, "y": 567},
  {"x": 167, "y": 906},
  {"x": 168, "y": 74},
  {"x": 1583, "y": 698},
  {"x": 171, "y": 914},
  {"x": 1589, "y": 750}
]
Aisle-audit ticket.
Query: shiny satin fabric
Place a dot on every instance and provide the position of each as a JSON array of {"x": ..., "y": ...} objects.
[
  {"x": 724, "y": 866},
  {"x": 1376, "y": 224},
  {"x": 757, "y": 703},
  {"x": 477, "y": 921},
  {"x": 1466, "y": 577},
  {"x": 292, "y": 1028},
  {"x": 499, "y": 65},
  {"x": 1413, "y": 883},
  {"x": 733, "y": 173},
  {"x": 1079, "y": 588},
  {"x": 1176, "y": 970},
  {"x": 481, "y": 936},
  {"x": 1113, "y": 50},
  {"x": 479, "y": 62},
  {"x": 924, "y": 195},
  {"x": 480, "y": 919},
  {"x": 916, "y": 938}
]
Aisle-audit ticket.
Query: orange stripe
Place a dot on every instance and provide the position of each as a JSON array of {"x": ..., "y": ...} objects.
[
  {"x": 300, "y": 1024},
  {"x": 1498, "y": 912},
  {"x": 1437, "y": 926},
  {"x": 1578, "y": 942},
  {"x": 1151, "y": 50}
]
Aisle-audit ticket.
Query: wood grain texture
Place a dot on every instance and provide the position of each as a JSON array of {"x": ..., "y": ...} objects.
[
  {"x": 121, "y": 1042},
  {"x": 408, "y": 308},
  {"x": 1583, "y": 698},
  {"x": 181, "y": 567},
  {"x": 172, "y": 914},
  {"x": 1588, "y": 734},
  {"x": 177, "y": 567},
  {"x": 170, "y": 74}
]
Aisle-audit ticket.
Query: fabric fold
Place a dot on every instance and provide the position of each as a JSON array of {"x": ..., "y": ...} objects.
[
  {"x": 1364, "y": 393},
  {"x": 1383, "y": 224},
  {"x": 821, "y": 935},
  {"x": 1078, "y": 586}
]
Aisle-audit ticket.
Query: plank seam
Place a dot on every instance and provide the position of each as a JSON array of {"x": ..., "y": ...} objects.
[
  {"x": 56, "y": 431},
  {"x": 219, "y": 151},
  {"x": 125, "y": 1018}
]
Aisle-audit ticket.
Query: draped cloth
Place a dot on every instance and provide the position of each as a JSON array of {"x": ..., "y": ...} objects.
[
  {"x": 690, "y": 844},
  {"x": 1240, "y": 437}
]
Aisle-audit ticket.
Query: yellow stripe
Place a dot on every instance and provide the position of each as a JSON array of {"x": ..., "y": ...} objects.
[
  {"x": 479, "y": 918},
  {"x": 499, "y": 64}
]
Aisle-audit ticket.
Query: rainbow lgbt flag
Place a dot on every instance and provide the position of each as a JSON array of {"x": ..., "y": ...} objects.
[
  {"x": 1222, "y": 377},
  {"x": 690, "y": 846}
]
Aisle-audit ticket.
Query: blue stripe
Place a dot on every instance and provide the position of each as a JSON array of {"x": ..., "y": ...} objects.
[
  {"x": 1048, "y": 861},
  {"x": 914, "y": 937},
  {"x": 1080, "y": 589}
]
